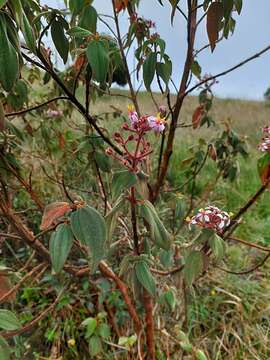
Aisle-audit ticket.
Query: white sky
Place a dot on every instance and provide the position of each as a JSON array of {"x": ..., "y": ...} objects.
[{"x": 252, "y": 33}]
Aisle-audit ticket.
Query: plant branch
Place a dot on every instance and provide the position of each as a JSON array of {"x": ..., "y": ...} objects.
[{"x": 225, "y": 72}]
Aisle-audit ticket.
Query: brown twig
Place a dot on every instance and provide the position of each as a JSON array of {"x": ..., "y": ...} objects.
[
  {"x": 35, "y": 107},
  {"x": 248, "y": 271},
  {"x": 18, "y": 285},
  {"x": 34, "y": 322},
  {"x": 191, "y": 31}
]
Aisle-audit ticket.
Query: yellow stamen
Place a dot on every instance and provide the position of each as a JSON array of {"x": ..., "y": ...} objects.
[{"x": 130, "y": 108}]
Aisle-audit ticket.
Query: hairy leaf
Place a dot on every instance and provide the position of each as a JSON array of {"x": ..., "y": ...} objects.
[
  {"x": 60, "y": 246},
  {"x": 89, "y": 227},
  {"x": 159, "y": 234},
  {"x": 193, "y": 266},
  {"x": 122, "y": 181},
  {"x": 145, "y": 277}
]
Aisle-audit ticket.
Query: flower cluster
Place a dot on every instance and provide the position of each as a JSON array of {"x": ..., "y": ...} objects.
[
  {"x": 211, "y": 218},
  {"x": 135, "y": 147},
  {"x": 146, "y": 123},
  {"x": 264, "y": 146}
]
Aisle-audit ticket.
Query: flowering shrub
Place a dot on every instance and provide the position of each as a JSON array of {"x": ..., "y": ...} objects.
[{"x": 104, "y": 262}]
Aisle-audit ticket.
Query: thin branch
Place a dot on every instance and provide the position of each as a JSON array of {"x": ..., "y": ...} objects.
[
  {"x": 261, "y": 263},
  {"x": 35, "y": 107},
  {"x": 250, "y": 244},
  {"x": 124, "y": 59},
  {"x": 258, "y": 54}
]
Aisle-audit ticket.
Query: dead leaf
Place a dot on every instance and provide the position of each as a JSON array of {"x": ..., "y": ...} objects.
[
  {"x": 52, "y": 213},
  {"x": 197, "y": 116},
  {"x": 214, "y": 16}
]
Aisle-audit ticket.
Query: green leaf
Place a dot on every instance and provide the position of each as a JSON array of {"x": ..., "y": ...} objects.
[
  {"x": 121, "y": 181},
  {"x": 227, "y": 8},
  {"x": 91, "y": 325},
  {"x": 174, "y": 4},
  {"x": 98, "y": 58},
  {"x": 95, "y": 346},
  {"x": 28, "y": 33},
  {"x": 2, "y": 3},
  {"x": 4, "y": 349},
  {"x": 79, "y": 32},
  {"x": 196, "y": 69},
  {"x": 103, "y": 161},
  {"x": 159, "y": 234},
  {"x": 164, "y": 70},
  {"x": 59, "y": 39},
  {"x": 112, "y": 216},
  {"x": 9, "y": 62},
  {"x": 76, "y": 6},
  {"x": 145, "y": 277},
  {"x": 217, "y": 245},
  {"x": 104, "y": 330},
  {"x": 149, "y": 68},
  {"x": 89, "y": 19},
  {"x": 200, "y": 355},
  {"x": 8, "y": 321},
  {"x": 89, "y": 227},
  {"x": 193, "y": 266},
  {"x": 186, "y": 346},
  {"x": 238, "y": 5},
  {"x": 170, "y": 299},
  {"x": 60, "y": 246}
]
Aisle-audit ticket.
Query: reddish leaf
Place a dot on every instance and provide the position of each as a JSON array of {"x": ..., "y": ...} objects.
[
  {"x": 212, "y": 152},
  {"x": 79, "y": 62},
  {"x": 197, "y": 116},
  {"x": 52, "y": 213},
  {"x": 264, "y": 168},
  {"x": 214, "y": 16},
  {"x": 120, "y": 5}
]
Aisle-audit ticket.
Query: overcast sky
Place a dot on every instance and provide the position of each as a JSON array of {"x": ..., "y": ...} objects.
[{"x": 252, "y": 33}]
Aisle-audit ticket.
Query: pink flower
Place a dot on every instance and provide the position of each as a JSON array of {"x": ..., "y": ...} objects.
[
  {"x": 266, "y": 130},
  {"x": 133, "y": 116},
  {"x": 264, "y": 146},
  {"x": 211, "y": 218},
  {"x": 54, "y": 113},
  {"x": 156, "y": 123}
]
